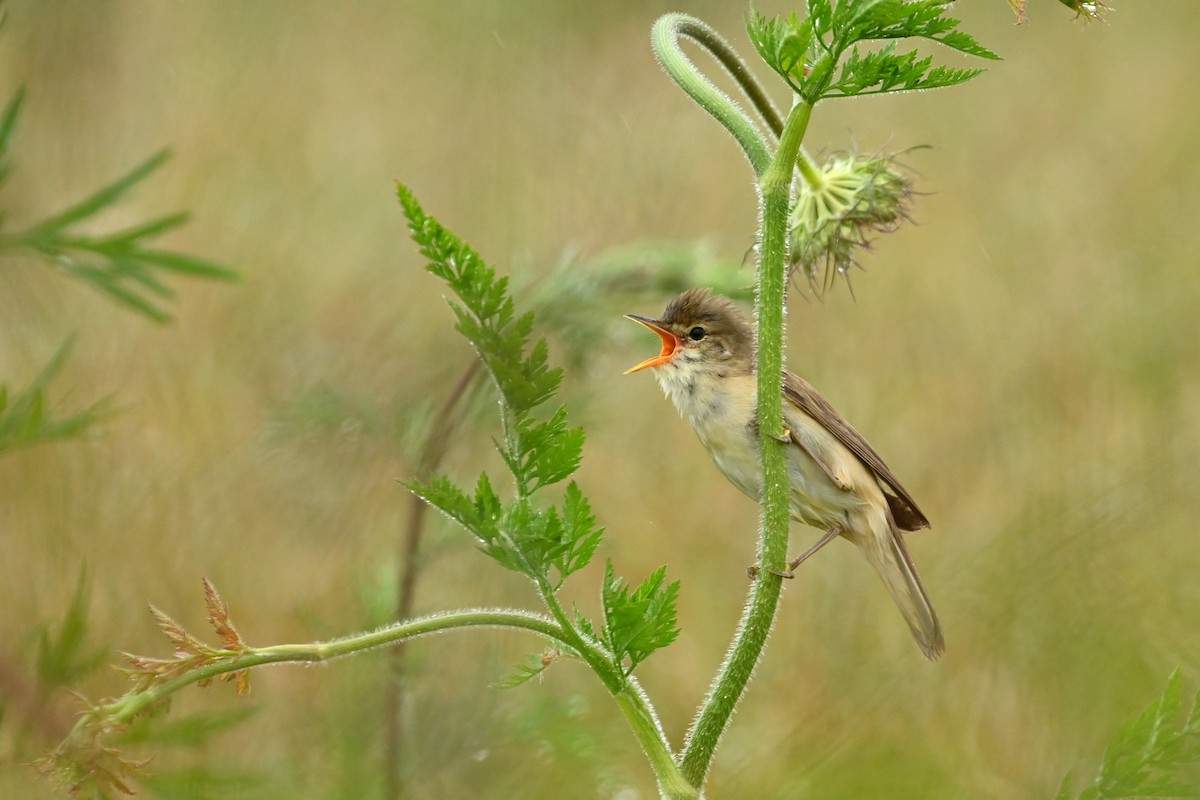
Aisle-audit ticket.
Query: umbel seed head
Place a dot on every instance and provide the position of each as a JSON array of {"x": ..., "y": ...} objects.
[{"x": 854, "y": 197}]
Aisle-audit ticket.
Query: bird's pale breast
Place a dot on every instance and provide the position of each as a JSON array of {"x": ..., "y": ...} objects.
[{"x": 721, "y": 412}]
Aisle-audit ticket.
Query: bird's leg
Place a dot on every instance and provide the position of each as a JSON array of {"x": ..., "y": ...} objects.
[{"x": 829, "y": 536}]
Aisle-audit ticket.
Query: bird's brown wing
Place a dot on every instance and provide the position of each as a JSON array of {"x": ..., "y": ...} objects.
[{"x": 904, "y": 509}]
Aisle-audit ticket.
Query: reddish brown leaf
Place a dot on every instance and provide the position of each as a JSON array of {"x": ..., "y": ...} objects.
[
  {"x": 185, "y": 643},
  {"x": 218, "y": 617}
]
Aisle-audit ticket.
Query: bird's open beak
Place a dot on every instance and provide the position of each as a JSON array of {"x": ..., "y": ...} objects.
[{"x": 670, "y": 344}]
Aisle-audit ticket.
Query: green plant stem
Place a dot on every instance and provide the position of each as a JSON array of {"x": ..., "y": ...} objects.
[
  {"x": 627, "y": 693},
  {"x": 731, "y": 681},
  {"x": 630, "y": 699},
  {"x": 664, "y": 38},
  {"x": 637, "y": 710},
  {"x": 808, "y": 170},
  {"x": 129, "y": 706},
  {"x": 599, "y": 659}
]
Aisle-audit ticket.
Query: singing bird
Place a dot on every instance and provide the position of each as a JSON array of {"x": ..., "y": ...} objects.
[{"x": 839, "y": 484}]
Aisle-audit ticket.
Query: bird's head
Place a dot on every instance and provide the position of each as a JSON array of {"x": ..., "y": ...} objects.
[{"x": 701, "y": 333}]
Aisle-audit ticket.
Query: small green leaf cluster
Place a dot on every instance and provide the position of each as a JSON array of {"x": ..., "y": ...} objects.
[
  {"x": 638, "y": 622},
  {"x": 538, "y": 543},
  {"x": 62, "y": 656},
  {"x": 118, "y": 264},
  {"x": 819, "y": 56},
  {"x": 24, "y": 419},
  {"x": 544, "y": 542},
  {"x": 1155, "y": 754}
]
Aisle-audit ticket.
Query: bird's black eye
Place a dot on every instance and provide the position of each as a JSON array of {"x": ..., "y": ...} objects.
[{"x": 696, "y": 333}]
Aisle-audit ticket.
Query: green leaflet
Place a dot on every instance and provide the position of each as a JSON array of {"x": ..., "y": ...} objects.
[
  {"x": 819, "y": 58},
  {"x": 1155, "y": 754}
]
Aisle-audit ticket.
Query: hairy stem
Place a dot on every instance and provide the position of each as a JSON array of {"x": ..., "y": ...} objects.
[
  {"x": 808, "y": 170},
  {"x": 129, "y": 706},
  {"x": 630, "y": 699},
  {"x": 637, "y": 710},
  {"x": 599, "y": 659},
  {"x": 731, "y": 681},
  {"x": 627, "y": 693},
  {"x": 665, "y": 39}
]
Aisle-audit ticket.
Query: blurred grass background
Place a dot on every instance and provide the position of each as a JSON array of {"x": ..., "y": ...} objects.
[{"x": 1027, "y": 358}]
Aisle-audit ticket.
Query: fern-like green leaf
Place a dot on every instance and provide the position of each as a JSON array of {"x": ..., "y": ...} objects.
[
  {"x": 886, "y": 71},
  {"x": 581, "y": 531},
  {"x": 783, "y": 43},
  {"x": 485, "y": 313},
  {"x": 552, "y": 450},
  {"x": 904, "y": 19},
  {"x": 441, "y": 493},
  {"x": 1156, "y": 754},
  {"x": 638, "y": 622},
  {"x": 819, "y": 59},
  {"x": 500, "y": 532}
]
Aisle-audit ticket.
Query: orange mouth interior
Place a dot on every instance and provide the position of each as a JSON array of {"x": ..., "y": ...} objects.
[{"x": 670, "y": 345}]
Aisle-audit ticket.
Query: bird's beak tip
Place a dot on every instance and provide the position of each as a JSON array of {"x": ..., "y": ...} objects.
[{"x": 670, "y": 344}]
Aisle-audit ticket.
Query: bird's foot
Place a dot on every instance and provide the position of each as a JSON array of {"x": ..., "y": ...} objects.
[
  {"x": 753, "y": 571},
  {"x": 784, "y": 438}
]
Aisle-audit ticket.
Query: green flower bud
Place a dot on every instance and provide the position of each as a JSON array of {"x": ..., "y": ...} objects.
[
  {"x": 853, "y": 198},
  {"x": 1088, "y": 9}
]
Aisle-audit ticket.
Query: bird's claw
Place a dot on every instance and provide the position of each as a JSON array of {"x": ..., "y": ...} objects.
[{"x": 753, "y": 571}]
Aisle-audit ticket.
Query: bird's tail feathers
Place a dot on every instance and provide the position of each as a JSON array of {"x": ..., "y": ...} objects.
[{"x": 885, "y": 549}]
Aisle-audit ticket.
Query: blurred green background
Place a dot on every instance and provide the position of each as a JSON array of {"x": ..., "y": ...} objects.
[{"x": 1027, "y": 358}]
